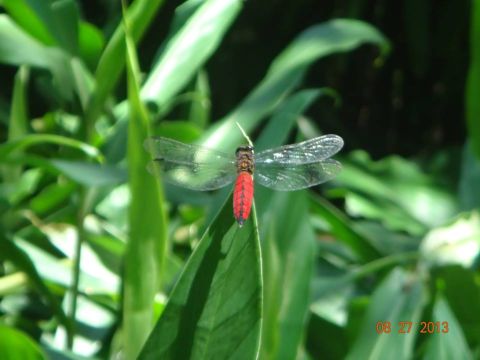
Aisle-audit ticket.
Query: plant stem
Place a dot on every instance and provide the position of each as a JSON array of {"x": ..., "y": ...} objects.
[{"x": 85, "y": 197}]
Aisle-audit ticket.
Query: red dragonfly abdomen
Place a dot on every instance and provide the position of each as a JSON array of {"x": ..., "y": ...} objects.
[{"x": 242, "y": 196}]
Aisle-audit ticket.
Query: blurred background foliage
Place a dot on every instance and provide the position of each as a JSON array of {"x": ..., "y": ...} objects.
[{"x": 98, "y": 259}]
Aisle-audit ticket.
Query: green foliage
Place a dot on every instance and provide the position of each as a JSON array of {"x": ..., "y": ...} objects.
[
  {"x": 99, "y": 259},
  {"x": 215, "y": 309},
  {"x": 473, "y": 83}
]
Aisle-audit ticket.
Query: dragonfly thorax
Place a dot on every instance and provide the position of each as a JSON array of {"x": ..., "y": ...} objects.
[{"x": 245, "y": 159}]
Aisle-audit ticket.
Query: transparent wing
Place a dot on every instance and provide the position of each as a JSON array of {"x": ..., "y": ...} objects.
[
  {"x": 287, "y": 177},
  {"x": 306, "y": 152},
  {"x": 190, "y": 166}
]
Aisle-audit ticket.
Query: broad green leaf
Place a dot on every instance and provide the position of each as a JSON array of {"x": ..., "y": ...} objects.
[
  {"x": 91, "y": 43},
  {"x": 26, "y": 17},
  {"x": 289, "y": 253},
  {"x": 189, "y": 48},
  {"x": 65, "y": 24},
  {"x": 287, "y": 71},
  {"x": 288, "y": 245},
  {"x": 183, "y": 131},
  {"x": 18, "y": 48},
  {"x": 400, "y": 297},
  {"x": 112, "y": 62},
  {"x": 91, "y": 174},
  {"x": 450, "y": 345},
  {"x": 15, "y": 344},
  {"x": 455, "y": 243},
  {"x": 215, "y": 309},
  {"x": 60, "y": 18},
  {"x": 472, "y": 107},
  {"x": 147, "y": 242}
]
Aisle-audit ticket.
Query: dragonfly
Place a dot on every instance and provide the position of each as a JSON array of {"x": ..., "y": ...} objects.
[{"x": 285, "y": 168}]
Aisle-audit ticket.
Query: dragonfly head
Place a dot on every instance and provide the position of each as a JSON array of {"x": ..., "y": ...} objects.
[{"x": 246, "y": 148}]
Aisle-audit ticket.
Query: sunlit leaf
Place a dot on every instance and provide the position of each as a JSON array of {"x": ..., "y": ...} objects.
[
  {"x": 189, "y": 49},
  {"x": 455, "y": 243},
  {"x": 147, "y": 242},
  {"x": 215, "y": 309}
]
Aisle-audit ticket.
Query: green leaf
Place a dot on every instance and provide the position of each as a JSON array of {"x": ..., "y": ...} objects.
[
  {"x": 35, "y": 139},
  {"x": 147, "y": 242},
  {"x": 454, "y": 243},
  {"x": 400, "y": 297},
  {"x": 15, "y": 344},
  {"x": 51, "y": 196},
  {"x": 289, "y": 252},
  {"x": 19, "y": 113},
  {"x": 200, "y": 106},
  {"x": 445, "y": 346},
  {"x": 91, "y": 43},
  {"x": 183, "y": 131},
  {"x": 469, "y": 191},
  {"x": 18, "y": 48},
  {"x": 343, "y": 230},
  {"x": 189, "y": 48},
  {"x": 325, "y": 340},
  {"x": 459, "y": 286},
  {"x": 286, "y": 73},
  {"x": 64, "y": 24},
  {"x": 396, "y": 192},
  {"x": 18, "y": 124},
  {"x": 91, "y": 174},
  {"x": 26, "y": 18},
  {"x": 112, "y": 62},
  {"x": 473, "y": 82},
  {"x": 214, "y": 311}
]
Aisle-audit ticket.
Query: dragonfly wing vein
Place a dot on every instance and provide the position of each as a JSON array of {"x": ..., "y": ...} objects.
[
  {"x": 306, "y": 152},
  {"x": 190, "y": 166},
  {"x": 287, "y": 177}
]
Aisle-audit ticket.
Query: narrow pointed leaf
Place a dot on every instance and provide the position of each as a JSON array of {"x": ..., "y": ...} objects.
[{"x": 147, "y": 242}]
